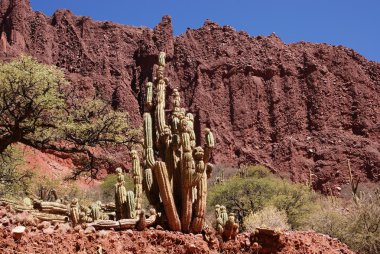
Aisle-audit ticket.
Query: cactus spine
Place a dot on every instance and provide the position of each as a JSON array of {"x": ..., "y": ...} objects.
[{"x": 180, "y": 169}]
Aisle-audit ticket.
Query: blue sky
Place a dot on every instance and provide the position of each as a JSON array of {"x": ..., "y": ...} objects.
[{"x": 352, "y": 23}]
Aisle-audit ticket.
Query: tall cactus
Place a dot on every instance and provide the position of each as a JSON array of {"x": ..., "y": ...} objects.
[
  {"x": 137, "y": 178},
  {"x": 173, "y": 163}
]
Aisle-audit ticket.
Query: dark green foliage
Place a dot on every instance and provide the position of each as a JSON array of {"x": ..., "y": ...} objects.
[
  {"x": 35, "y": 111},
  {"x": 14, "y": 181},
  {"x": 261, "y": 189}
]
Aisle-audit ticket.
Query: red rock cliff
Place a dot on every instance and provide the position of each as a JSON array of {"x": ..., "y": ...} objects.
[{"x": 293, "y": 107}]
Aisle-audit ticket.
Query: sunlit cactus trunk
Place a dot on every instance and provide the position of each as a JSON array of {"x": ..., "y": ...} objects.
[{"x": 162, "y": 178}]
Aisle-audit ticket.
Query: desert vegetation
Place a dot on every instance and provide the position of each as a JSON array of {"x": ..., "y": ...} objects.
[
  {"x": 262, "y": 199},
  {"x": 39, "y": 110}
]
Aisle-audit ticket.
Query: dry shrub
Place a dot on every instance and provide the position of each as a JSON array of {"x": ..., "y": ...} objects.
[
  {"x": 357, "y": 225},
  {"x": 269, "y": 217}
]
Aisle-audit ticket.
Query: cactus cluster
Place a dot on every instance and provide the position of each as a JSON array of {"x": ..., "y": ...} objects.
[
  {"x": 124, "y": 200},
  {"x": 225, "y": 224},
  {"x": 175, "y": 168}
]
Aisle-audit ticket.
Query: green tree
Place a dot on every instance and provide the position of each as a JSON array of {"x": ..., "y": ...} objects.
[
  {"x": 13, "y": 180},
  {"x": 35, "y": 110}
]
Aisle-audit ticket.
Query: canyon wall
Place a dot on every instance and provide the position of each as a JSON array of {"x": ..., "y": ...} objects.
[{"x": 300, "y": 108}]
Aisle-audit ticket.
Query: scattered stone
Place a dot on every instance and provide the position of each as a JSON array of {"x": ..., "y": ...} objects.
[
  {"x": 5, "y": 221},
  {"x": 48, "y": 231},
  {"x": 191, "y": 249},
  {"x": 18, "y": 232},
  {"x": 129, "y": 232},
  {"x": 77, "y": 228},
  {"x": 102, "y": 233},
  {"x": 89, "y": 230},
  {"x": 63, "y": 228},
  {"x": 43, "y": 225}
]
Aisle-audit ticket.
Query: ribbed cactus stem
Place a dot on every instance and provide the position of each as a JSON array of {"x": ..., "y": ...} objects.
[
  {"x": 137, "y": 178},
  {"x": 148, "y": 131},
  {"x": 209, "y": 145},
  {"x": 190, "y": 118},
  {"x": 149, "y": 95},
  {"x": 151, "y": 188},
  {"x": 120, "y": 195},
  {"x": 160, "y": 108},
  {"x": 162, "y": 178},
  {"x": 186, "y": 177},
  {"x": 161, "y": 58},
  {"x": 223, "y": 214},
  {"x": 200, "y": 168},
  {"x": 148, "y": 140},
  {"x": 130, "y": 203},
  {"x": 74, "y": 211},
  {"x": 200, "y": 205}
]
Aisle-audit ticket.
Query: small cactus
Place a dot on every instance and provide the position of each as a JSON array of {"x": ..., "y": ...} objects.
[
  {"x": 95, "y": 211},
  {"x": 230, "y": 228},
  {"x": 130, "y": 205},
  {"x": 74, "y": 212},
  {"x": 120, "y": 195},
  {"x": 223, "y": 214}
]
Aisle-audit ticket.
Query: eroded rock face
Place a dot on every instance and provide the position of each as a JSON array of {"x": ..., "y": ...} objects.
[{"x": 293, "y": 107}]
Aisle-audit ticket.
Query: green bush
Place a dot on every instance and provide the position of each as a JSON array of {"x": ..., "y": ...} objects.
[{"x": 261, "y": 189}]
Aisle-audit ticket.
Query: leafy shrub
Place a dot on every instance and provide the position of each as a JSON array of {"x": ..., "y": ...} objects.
[
  {"x": 269, "y": 217},
  {"x": 261, "y": 189}
]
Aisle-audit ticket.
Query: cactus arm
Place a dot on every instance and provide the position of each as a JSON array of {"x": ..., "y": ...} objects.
[
  {"x": 160, "y": 108},
  {"x": 148, "y": 140},
  {"x": 200, "y": 168},
  {"x": 162, "y": 178},
  {"x": 161, "y": 59},
  {"x": 186, "y": 177},
  {"x": 137, "y": 179},
  {"x": 149, "y": 95},
  {"x": 130, "y": 205},
  {"x": 151, "y": 188},
  {"x": 209, "y": 145},
  {"x": 200, "y": 205}
]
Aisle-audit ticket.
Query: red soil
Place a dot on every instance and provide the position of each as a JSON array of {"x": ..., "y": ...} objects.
[{"x": 47, "y": 238}]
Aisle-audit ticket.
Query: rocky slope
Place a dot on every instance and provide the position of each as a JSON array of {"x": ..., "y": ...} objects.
[
  {"x": 298, "y": 108},
  {"x": 44, "y": 237}
]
